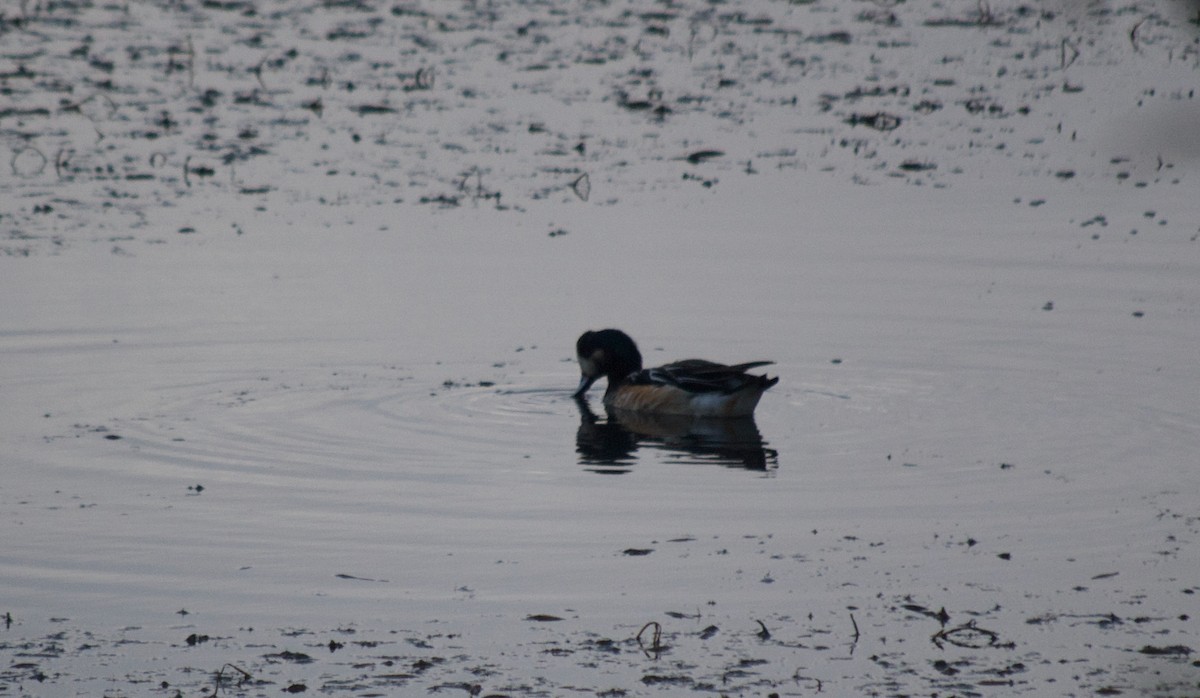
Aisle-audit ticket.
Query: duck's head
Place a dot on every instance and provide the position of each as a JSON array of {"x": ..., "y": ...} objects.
[{"x": 608, "y": 353}]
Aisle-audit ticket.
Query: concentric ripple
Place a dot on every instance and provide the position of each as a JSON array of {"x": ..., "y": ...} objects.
[{"x": 330, "y": 425}]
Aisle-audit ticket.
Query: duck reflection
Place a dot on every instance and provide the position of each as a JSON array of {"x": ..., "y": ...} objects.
[{"x": 609, "y": 445}]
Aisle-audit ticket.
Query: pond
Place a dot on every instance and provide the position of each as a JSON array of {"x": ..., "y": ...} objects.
[{"x": 302, "y": 419}]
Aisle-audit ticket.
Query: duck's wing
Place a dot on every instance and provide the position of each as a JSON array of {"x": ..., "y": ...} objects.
[{"x": 700, "y": 376}]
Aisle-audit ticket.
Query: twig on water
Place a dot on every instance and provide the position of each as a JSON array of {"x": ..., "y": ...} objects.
[
  {"x": 221, "y": 675},
  {"x": 694, "y": 34},
  {"x": 422, "y": 80},
  {"x": 985, "y": 13},
  {"x": 191, "y": 64},
  {"x": 582, "y": 186},
  {"x": 1064, "y": 62},
  {"x": 478, "y": 191},
  {"x": 1133, "y": 34},
  {"x": 61, "y": 160},
  {"x": 189, "y": 53},
  {"x": 800, "y": 677},
  {"x": 655, "y": 639},
  {"x": 763, "y": 634},
  {"x": 90, "y": 113},
  {"x": 257, "y": 70}
]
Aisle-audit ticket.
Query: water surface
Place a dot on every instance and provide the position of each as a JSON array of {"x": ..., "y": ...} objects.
[{"x": 315, "y": 402}]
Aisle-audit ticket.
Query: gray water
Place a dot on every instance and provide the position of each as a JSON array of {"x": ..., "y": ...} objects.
[{"x": 322, "y": 392}]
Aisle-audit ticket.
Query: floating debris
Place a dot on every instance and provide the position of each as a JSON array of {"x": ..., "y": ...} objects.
[
  {"x": 703, "y": 155},
  {"x": 582, "y": 186},
  {"x": 880, "y": 121}
]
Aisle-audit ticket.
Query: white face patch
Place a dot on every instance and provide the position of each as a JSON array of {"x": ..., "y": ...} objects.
[{"x": 589, "y": 365}]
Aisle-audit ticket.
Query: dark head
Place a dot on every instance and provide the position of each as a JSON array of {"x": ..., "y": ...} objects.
[{"x": 608, "y": 353}]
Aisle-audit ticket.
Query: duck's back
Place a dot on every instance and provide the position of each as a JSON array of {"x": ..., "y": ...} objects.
[{"x": 693, "y": 387}]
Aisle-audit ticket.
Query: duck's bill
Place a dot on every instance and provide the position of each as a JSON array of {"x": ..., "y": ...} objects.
[{"x": 585, "y": 382}]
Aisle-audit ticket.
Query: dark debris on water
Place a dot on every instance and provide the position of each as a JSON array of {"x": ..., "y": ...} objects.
[{"x": 150, "y": 118}]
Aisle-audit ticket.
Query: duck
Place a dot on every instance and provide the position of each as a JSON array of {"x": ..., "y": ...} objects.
[{"x": 692, "y": 387}]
